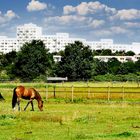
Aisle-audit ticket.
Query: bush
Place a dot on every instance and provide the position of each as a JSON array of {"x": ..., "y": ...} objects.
[{"x": 121, "y": 78}]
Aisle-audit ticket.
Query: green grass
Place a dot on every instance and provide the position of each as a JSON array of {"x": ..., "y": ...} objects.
[
  {"x": 71, "y": 121},
  {"x": 82, "y": 119}
]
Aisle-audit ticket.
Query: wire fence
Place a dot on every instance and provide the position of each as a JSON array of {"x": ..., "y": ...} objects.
[
  {"x": 89, "y": 92},
  {"x": 74, "y": 92}
]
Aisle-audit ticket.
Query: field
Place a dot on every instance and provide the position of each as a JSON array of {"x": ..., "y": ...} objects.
[{"x": 63, "y": 120}]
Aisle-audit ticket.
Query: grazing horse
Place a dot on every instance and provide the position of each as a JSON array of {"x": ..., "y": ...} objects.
[{"x": 28, "y": 94}]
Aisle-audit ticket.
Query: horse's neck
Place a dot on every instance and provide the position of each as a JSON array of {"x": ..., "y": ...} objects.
[{"x": 38, "y": 97}]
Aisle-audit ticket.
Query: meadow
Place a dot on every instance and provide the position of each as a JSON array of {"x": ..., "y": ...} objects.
[{"x": 65, "y": 120}]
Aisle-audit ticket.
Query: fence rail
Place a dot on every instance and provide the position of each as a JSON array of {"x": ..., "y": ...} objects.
[
  {"x": 89, "y": 92},
  {"x": 85, "y": 92}
]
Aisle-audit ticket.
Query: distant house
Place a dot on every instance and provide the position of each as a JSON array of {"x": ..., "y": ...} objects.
[
  {"x": 57, "y": 58},
  {"x": 119, "y": 58}
]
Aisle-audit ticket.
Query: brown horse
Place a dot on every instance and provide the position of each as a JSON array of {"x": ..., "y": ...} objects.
[{"x": 28, "y": 94}]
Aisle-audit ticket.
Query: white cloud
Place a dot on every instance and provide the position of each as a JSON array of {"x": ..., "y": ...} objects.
[
  {"x": 85, "y": 8},
  {"x": 68, "y": 9},
  {"x": 82, "y": 9},
  {"x": 132, "y": 24},
  {"x": 68, "y": 20},
  {"x": 97, "y": 23},
  {"x": 127, "y": 14},
  {"x": 35, "y": 5},
  {"x": 8, "y": 16},
  {"x": 71, "y": 18},
  {"x": 119, "y": 30},
  {"x": 94, "y": 17},
  {"x": 110, "y": 32},
  {"x": 100, "y": 33}
]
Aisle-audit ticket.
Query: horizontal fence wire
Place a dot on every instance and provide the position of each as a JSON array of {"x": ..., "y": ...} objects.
[
  {"x": 84, "y": 92},
  {"x": 90, "y": 92}
]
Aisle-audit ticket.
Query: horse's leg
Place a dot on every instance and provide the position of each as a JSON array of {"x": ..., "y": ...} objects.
[
  {"x": 28, "y": 104},
  {"x": 18, "y": 102},
  {"x": 32, "y": 106}
]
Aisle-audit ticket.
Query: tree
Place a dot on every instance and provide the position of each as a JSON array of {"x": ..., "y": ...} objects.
[
  {"x": 130, "y": 53},
  {"x": 9, "y": 60},
  {"x": 122, "y": 69},
  {"x": 137, "y": 65},
  {"x": 32, "y": 61},
  {"x": 6, "y": 60},
  {"x": 130, "y": 66},
  {"x": 119, "y": 53},
  {"x": 100, "y": 67},
  {"x": 106, "y": 52},
  {"x": 113, "y": 65},
  {"x": 11, "y": 57},
  {"x": 76, "y": 62},
  {"x": 96, "y": 52}
]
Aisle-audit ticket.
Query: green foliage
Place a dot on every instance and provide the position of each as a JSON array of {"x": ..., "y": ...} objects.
[
  {"x": 35, "y": 63},
  {"x": 106, "y": 52},
  {"x": 102, "y": 52},
  {"x": 76, "y": 62},
  {"x": 100, "y": 67},
  {"x": 129, "y": 53},
  {"x": 32, "y": 61},
  {"x": 3, "y": 75},
  {"x": 118, "y": 77},
  {"x": 113, "y": 65}
]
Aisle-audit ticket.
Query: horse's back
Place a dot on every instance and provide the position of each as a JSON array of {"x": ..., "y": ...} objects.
[
  {"x": 25, "y": 93},
  {"x": 20, "y": 90}
]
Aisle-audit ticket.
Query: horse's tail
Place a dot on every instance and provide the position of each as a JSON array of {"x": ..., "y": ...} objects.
[{"x": 14, "y": 99}]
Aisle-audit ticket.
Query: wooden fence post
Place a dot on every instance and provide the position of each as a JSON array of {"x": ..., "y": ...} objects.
[
  {"x": 54, "y": 94},
  {"x": 88, "y": 91},
  {"x": 123, "y": 92},
  {"x": 72, "y": 88},
  {"x": 108, "y": 93},
  {"x": 46, "y": 92}
]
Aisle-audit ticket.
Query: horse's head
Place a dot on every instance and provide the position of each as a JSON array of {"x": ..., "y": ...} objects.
[{"x": 40, "y": 105}]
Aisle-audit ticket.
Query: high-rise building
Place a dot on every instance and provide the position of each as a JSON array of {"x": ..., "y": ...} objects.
[
  {"x": 57, "y": 42},
  {"x": 27, "y": 33},
  {"x": 7, "y": 44}
]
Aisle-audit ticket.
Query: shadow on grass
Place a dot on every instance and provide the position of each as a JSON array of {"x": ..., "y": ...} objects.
[{"x": 120, "y": 135}]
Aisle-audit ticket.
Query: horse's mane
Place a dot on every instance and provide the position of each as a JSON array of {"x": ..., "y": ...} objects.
[{"x": 37, "y": 94}]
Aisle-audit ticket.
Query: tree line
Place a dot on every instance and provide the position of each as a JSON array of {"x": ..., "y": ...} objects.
[{"x": 34, "y": 61}]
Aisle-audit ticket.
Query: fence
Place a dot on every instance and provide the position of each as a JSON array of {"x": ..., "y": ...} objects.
[
  {"x": 89, "y": 92},
  {"x": 74, "y": 92}
]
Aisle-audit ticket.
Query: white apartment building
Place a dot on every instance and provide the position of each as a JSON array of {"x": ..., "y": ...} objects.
[
  {"x": 108, "y": 44},
  {"x": 7, "y": 44},
  {"x": 27, "y": 33},
  {"x": 55, "y": 43}
]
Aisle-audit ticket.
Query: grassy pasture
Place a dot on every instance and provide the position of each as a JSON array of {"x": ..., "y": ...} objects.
[
  {"x": 71, "y": 121},
  {"x": 63, "y": 120}
]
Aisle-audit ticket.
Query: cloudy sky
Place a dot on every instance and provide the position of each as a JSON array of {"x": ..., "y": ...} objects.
[{"x": 90, "y": 19}]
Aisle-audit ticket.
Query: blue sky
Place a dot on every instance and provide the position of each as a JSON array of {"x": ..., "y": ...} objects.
[{"x": 90, "y": 19}]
